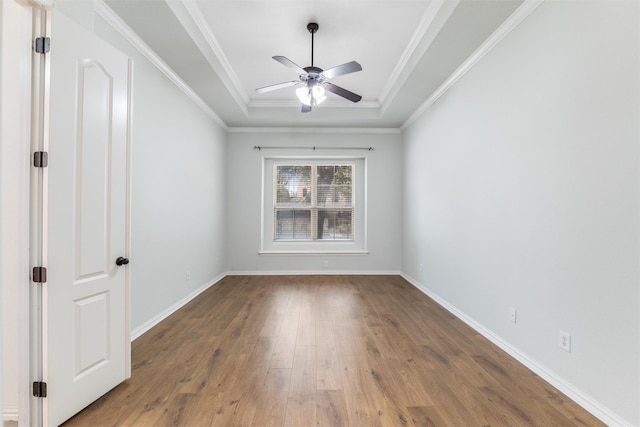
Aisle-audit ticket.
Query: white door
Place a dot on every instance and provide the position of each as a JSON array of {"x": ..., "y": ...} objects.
[{"x": 85, "y": 345}]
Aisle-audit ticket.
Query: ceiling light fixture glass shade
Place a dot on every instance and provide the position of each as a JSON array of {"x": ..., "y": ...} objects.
[{"x": 311, "y": 96}]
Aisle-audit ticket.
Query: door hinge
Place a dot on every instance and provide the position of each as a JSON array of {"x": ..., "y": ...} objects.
[
  {"x": 41, "y": 159},
  {"x": 40, "y": 274},
  {"x": 42, "y": 44},
  {"x": 40, "y": 389}
]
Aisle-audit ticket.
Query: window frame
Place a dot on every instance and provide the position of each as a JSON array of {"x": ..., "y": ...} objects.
[{"x": 358, "y": 245}]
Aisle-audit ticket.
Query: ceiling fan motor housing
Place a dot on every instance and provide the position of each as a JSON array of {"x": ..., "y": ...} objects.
[{"x": 313, "y": 75}]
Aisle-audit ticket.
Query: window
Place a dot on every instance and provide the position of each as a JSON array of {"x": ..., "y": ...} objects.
[
  {"x": 313, "y": 202},
  {"x": 313, "y": 205}
]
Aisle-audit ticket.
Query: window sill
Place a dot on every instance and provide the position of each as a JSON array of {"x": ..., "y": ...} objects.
[{"x": 313, "y": 252}]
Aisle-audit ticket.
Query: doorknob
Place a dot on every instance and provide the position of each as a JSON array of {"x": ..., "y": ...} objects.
[{"x": 122, "y": 261}]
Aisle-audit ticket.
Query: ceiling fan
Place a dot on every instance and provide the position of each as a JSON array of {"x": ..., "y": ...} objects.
[{"x": 313, "y": 81}]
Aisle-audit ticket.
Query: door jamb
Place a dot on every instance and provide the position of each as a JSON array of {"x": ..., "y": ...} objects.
[{"x": 38, "y": 208}]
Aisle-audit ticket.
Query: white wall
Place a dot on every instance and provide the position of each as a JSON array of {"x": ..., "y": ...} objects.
[
  {"x": 244, "y": 200},
  {"x": 522, "y": 190}
]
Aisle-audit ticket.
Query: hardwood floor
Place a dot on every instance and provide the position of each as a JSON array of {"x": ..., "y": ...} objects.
[{"x": 328, "y": 351}]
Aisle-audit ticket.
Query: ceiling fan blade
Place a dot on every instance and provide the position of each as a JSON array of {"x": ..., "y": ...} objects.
[
  {"x": 306, "y": 108},
  {"x": 289, "y": 63},
  {"x": 353, "y": 97},
  {"x": 277, "y": 86},
  {"x": 349, "y": 67}
]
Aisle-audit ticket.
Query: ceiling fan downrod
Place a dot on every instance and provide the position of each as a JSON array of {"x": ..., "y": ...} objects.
[{"x": 313, "y": 28}]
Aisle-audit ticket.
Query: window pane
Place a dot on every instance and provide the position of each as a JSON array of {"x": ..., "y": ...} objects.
[
  {"x": 335, "y": 224},
  {"x": 335, "y": 185},
  {"x": 293, "y": 185},
  {"x": 293, "y": 224}
]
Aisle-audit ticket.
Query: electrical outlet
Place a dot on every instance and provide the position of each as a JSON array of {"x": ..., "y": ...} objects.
[
  {"x": 326, "y": 264},
  {"x": 513, "y": 315},
  {"x": 421, "y": 268},
  {"x": 565, "y": 341},
  {"x": 188, "y": 276}
]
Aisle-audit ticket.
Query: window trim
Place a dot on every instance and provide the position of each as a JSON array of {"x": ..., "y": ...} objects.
[{"x": 357, "y": 246}]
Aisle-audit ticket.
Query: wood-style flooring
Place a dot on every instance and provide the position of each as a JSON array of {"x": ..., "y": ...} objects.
[{"x": 324, "y": 351}]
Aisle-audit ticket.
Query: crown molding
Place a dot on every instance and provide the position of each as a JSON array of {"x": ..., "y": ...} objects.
[
  {"x": 433, "y": 19},
  {"x": 507, "y": 26},
  {"x": 125, "y": 31},
  {"x": 194, "y": 22},
  {"x": 323, "y": 130}
]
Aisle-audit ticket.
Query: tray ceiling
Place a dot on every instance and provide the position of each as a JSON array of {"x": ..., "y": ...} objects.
[{"x": 222, "y": 50}]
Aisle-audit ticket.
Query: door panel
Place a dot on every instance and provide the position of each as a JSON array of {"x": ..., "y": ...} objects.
[
  {"x": 93, "y": 184},
  {"x": 91, "y": 334},
  {"x": 86, "y": 335}
]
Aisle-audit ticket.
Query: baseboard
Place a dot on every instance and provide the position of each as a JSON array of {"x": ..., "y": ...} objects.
[
  {"x": 314, "y": 273},
  {"x": 10, "y": 413},
  {"x": 146, "y": 326},
  {"x": 575, "y": 394}
]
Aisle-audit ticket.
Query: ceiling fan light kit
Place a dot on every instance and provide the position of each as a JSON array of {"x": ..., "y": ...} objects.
[
  {"x": 311, "y": 96},
  {"x": 313, "y": 81}
]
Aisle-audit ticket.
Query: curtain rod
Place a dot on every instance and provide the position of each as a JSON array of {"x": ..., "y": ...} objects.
[{"x": 258, "y": 147}]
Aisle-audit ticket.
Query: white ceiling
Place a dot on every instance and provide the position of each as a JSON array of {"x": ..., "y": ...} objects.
[{"x": 222, "y": 50}]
